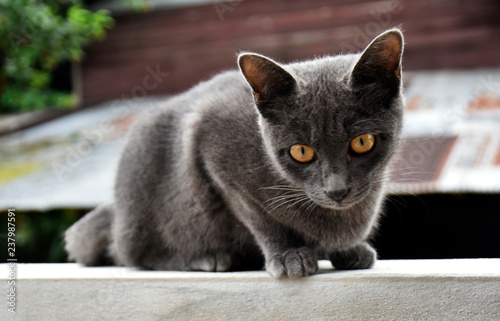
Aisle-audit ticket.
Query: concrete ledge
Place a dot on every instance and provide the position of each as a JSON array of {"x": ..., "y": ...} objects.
[{"x": 392, "y": 290}]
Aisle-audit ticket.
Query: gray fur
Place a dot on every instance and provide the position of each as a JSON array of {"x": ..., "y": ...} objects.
[{"x": 206, "y": 182}]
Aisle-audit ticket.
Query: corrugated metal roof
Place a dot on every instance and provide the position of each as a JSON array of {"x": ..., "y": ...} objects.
[
  {"x": 452, "y": 144},
  {"x": 69, "y": 162},
  {"x": 452, "y": 133}
]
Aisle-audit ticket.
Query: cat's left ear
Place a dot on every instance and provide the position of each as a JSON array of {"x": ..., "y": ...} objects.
[
  {"x": 381, "y": 60},
  {"x": 267, "y": 78}
]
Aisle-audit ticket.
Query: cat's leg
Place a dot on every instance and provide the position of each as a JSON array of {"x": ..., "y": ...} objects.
[
  {"x": 137, "y": 243},
  {"x": 217, "y": 262},
  {"x": 186, "y": 237},
  {"x": 224, "y": 245},
  {"x": 285, "y": 252},
  {"x": 362, "y": 256},
  {"x": 87, "y": 240}
]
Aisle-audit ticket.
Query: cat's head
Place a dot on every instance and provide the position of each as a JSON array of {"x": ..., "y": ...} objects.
[{"x": 331, "y": 125}]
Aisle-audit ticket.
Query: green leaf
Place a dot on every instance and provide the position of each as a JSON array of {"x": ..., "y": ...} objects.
[{"x": 35, "y": 37}]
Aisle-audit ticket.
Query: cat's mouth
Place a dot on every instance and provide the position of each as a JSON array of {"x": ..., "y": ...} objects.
[
  {"x": 349, "y": 200},
  {"x": 335, "y": 205}
]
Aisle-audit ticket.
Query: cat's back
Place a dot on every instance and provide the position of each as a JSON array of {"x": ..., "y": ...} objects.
[
  {"x": 226, "y": 91},
  {"x": 166, "y": 135},
  {"x": 225, "y": 95}
]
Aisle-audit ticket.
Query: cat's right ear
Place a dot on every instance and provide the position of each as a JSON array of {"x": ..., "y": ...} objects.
[
  {"x": 381, "y": 61},
  {"x": 267, "y": 79}
]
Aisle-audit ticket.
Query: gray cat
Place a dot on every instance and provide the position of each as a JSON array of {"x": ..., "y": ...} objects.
[{"x": 274, "y": 165}]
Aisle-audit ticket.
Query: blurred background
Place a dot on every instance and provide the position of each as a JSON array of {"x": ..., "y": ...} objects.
[{"x": 76, "y": 74}]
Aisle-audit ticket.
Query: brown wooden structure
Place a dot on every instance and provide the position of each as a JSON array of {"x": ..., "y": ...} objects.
[{"x": 193, "y": 43}]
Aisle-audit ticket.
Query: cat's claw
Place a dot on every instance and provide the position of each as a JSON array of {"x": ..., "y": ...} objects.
[
  {"x": 294, "y": 263},
  {"x": 362, "y": 256}
]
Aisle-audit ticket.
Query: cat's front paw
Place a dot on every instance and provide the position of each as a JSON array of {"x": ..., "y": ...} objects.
[
  {"x": 362, "y": 256},
  {"x": 294, "y": 263},
  {"x": 219, "y": 262}
]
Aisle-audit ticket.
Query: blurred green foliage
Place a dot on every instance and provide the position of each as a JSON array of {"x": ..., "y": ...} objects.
[
  {"x": 35, "y": 36},
  {"x": 38, "y": 235},
  {"x": 137, "y": 5}
]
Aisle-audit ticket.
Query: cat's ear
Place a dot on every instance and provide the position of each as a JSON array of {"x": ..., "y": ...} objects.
[
  {"x": 266, "y": 77},
  {"x": 381, "y": 60}
]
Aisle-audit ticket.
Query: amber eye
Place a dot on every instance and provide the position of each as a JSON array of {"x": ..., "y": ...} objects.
[
  {"x": 302, "y": 153},
  {"x": 363, "y": 143}
]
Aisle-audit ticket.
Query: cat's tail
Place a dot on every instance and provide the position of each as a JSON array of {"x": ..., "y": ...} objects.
[{"x": 87, "y": 241}]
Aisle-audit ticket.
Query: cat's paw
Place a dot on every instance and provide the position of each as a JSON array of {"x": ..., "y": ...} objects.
[
  {"x": 219, "y": 262},
  {"x": 294, "y": 263},
  {"x": 362, "y": 256}
]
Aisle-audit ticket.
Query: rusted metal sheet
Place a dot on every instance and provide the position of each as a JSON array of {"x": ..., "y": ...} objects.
[
  {"x": 451, "y": 144},
  {"x": 452, "y": 132}
]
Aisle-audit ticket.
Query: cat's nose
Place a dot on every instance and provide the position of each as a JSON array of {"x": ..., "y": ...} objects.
[{"x": 338, "y": 194}]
